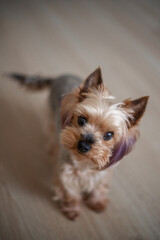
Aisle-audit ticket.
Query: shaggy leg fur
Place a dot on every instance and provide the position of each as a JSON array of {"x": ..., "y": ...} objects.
[
  {"x": 69, "y": 204},
  {"x": 70, "y": 207},
  {"x": 97, "y": 200}
]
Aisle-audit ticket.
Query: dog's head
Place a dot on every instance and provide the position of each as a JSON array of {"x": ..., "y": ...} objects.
[{"x": 94, "y": 129}]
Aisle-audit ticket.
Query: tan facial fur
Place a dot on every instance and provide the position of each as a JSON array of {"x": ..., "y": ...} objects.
[
  {"x": 101, "y": 117},
  {"x": 96, "y": 105}
]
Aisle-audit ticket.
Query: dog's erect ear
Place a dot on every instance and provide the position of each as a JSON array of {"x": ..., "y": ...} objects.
[
  {"x": 93, "y": 80},
  {"x": 136, "y": 108}
]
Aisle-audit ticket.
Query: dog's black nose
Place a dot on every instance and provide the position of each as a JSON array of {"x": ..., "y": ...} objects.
[{"x": 83, "y": 146}]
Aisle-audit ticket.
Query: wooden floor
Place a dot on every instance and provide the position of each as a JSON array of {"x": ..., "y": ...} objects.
[{"x": 65, "y": 36}]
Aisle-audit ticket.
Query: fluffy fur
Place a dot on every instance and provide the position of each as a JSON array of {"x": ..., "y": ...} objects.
[{"x": 90, "y": 135}]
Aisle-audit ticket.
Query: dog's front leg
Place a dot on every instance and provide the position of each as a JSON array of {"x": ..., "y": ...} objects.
[
  {"x": 70, "y": 206},
  {"x": 69, "y": 203},
  {"x": 97, "y": 199},
  {"x": 66, "y": 191}
]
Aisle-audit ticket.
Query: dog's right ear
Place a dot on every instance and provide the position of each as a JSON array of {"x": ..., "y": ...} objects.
[{"x": 93, "y": 80}]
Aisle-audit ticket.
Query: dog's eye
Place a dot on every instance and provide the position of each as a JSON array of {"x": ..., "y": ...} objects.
[
  {"x": 82, "y": 120},
  {"x": 108, "y": 136}
]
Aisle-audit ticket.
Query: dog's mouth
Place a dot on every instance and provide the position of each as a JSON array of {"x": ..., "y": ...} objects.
[{"x": 95, "y": 163}]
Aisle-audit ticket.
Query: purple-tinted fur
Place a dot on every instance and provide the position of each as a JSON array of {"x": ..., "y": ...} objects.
[
  {"x": 121, "y": 149},
  {"x": 66, "y": 119}
]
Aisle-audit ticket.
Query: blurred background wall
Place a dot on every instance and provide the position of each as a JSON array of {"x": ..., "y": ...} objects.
[{"x": 64, "y": 36}]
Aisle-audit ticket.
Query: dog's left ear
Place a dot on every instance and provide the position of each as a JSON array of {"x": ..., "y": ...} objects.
[
  {"x": 136, "y": 108},
  {"x": 93, "y": 80}
]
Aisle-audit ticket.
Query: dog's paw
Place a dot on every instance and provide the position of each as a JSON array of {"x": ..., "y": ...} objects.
[
  {"x": 71, "y": 209},
  {"x": 71, "y": 214},
  {"x": 97, "y": 206},
  {"x": 96, "y": 203}
]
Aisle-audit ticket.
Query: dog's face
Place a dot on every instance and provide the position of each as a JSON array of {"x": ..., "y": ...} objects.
[{"x": 96, "y": 131}]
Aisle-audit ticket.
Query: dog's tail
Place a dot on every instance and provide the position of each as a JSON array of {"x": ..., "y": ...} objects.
[{"x": 31, "y": 82}]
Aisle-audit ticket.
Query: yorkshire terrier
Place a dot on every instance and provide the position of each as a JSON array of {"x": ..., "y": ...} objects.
[{"x": 90, "y": 135}]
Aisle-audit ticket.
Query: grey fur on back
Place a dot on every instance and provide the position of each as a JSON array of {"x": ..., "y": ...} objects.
[{"x": 60, "y": 87}]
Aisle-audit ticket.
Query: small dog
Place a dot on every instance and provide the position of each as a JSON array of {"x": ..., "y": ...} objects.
[{"x": 90, "y": 134}]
